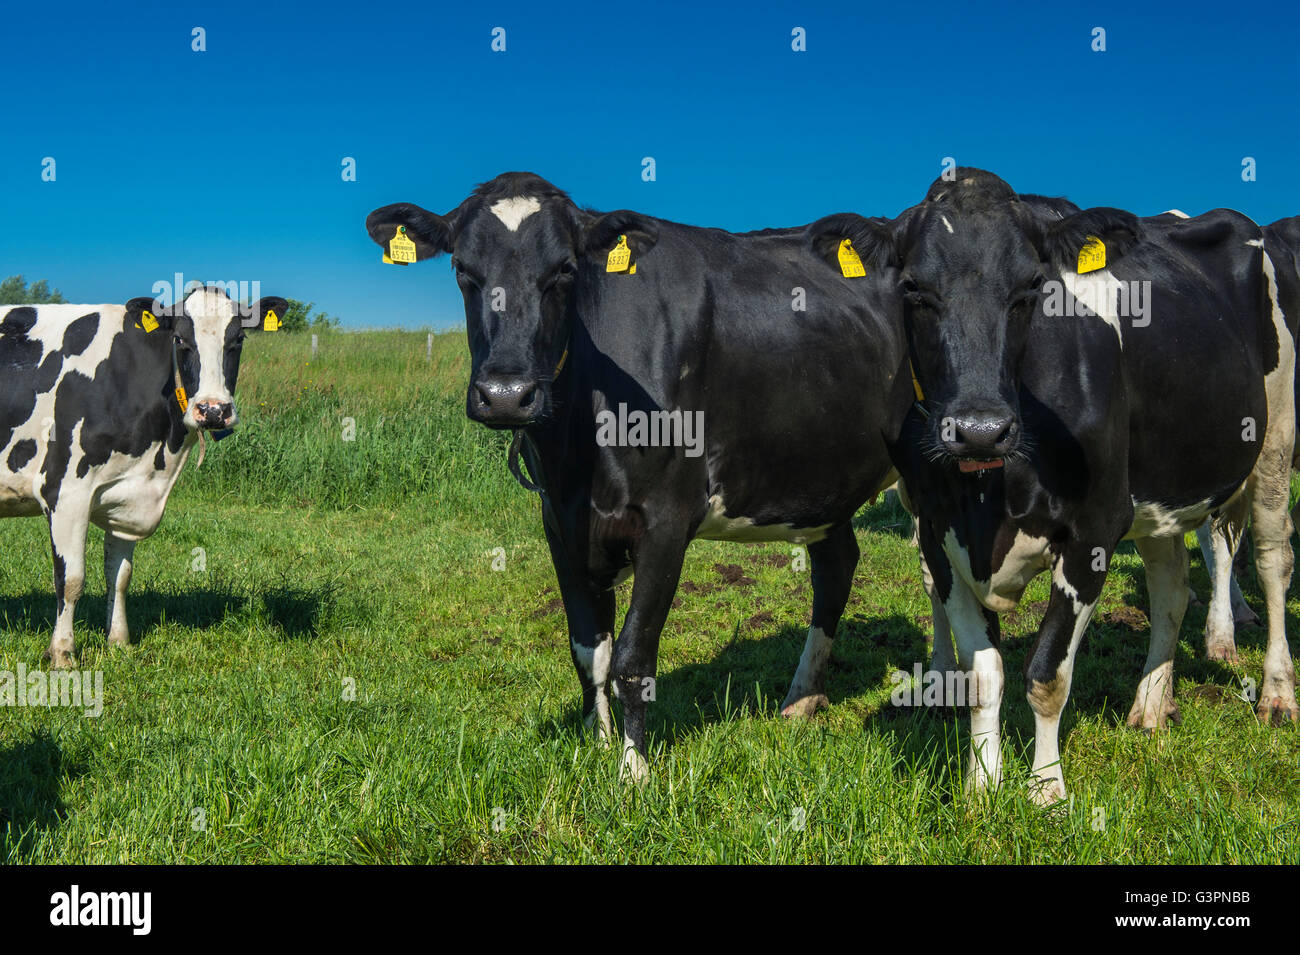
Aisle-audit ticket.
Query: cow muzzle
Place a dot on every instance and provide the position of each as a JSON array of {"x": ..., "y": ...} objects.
[
  {"x": 505, "y": 401},
  {"x": 214, "y": 415},
  {"x": 980, "y": 439}
]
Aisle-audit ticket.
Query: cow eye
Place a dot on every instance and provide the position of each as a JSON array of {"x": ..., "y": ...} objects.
[
  {"x": 180, "y": 342},
  {"x": 563, "y": 274},
  {"x": 1023, "y": 305},
  {"x": 464, "y": 274},
  {"x": 916, "y": 300}
]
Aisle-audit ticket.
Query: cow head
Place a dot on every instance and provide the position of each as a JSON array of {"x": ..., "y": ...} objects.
[
  {"x": 518, "y": 246},
  {"x": 205, "y": 334},
  {"x": 973, "y": 259}
]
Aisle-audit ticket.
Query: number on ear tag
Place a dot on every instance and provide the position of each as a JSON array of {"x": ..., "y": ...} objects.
[
  {"x": 1092, "y": 256},
  {"x": 401, "y": 250},
  {"x": 619, "y": 256},
  {"x": 850, "y": 262}
]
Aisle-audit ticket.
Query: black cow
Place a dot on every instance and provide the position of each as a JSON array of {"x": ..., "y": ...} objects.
[
  {"x": 1049, "y": 433},
  {"x": 793, "y": 376},
  {"x": 99, "y": 408}
]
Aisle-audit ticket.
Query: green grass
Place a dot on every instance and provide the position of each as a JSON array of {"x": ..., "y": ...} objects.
[{"x": 367, "y": 564}]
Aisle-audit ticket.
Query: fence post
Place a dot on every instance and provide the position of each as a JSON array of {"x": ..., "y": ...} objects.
[
  {"x": 314, "y": 343},
  {"x": 428, "y": 348}
]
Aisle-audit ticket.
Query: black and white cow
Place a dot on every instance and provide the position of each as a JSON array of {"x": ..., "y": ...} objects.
[
  {"x": 1227, "y": 606},
  {"x": 795, "y": 376},
  {"x": 99, "y": 408},
  {"x": 1047, "y": 434}
]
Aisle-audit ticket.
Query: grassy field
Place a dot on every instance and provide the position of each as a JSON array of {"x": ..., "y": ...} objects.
[{"x": 344, "y": 677}]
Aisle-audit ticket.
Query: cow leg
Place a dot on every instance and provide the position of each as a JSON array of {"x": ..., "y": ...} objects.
[
  {"x": 68, "y": 546},
  {"x": 942, "y": 658},
  {"x": 1242, "y": 614},
  {"x": 1049, "y": 667},
  {"x": 1219, "y": 541},
  {"x": 657, "y": 562},
  {"x": 589, "y": 613},
  {"x": 834, "y": 559},
  {"x": 117, "y": 577},
  {"x": 591, "y": 643},
  {"x": 1164, "y": 560},
  {"x": 1273, "y": 563},
  {"x": 976, "y": 631}
]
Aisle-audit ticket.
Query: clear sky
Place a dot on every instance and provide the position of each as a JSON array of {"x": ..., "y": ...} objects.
[{"x": 226, "y": 164}]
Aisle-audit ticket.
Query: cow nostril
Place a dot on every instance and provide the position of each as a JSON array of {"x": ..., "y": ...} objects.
[
  {"x": 526, "y": 400},
  {"x": 988, "y": 434}
]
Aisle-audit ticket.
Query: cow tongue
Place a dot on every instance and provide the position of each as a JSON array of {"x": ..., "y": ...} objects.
[{"x": 968, "y": 467}]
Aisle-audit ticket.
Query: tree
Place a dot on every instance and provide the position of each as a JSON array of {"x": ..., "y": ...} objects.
[
  {"x": 298, "y": 318},
  {"x": 14, "y": 291}
]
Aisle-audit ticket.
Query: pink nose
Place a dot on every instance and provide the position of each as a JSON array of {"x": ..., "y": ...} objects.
[{"x": 212, "y": 413}]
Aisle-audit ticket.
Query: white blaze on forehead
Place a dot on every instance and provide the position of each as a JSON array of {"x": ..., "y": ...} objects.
[
  {"x": 211, "y": 312},
  {"x": 515, "y": 210}
]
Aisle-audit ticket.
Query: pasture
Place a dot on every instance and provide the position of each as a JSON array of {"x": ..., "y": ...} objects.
[{"x": 327, "y": 667}]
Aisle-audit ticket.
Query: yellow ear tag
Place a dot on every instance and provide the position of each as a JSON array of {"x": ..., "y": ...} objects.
[
  {"x": 182, "y": 400},
  {"x": 272, "y": 322},
  {"x": 147, "y": 321},
  {"x": 1092, "y": 256},
  {"x": 850, "y": 263},
  {"x": 401, "y": 250},
  {"x": 632, "y": 269},
  {"x": 619, "y": 256}
]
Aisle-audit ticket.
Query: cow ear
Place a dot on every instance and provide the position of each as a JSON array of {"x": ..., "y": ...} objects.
[
  {"x": 264, "y": 315},
  {"x": 432, "y": 234},
  {"x": 146, "y": 314},
  {"x": 872, "y": 240},
  {"x": 601, "y": 235},
  {"x": 1064, "y": 240}
]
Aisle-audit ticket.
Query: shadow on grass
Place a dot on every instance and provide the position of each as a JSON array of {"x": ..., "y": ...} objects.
[
  {"x": 30, "y": 773},
  {"x": 294, "y": 613},
  {"x": 749, "y": 677},
  {"x": 146, "y": 609}
]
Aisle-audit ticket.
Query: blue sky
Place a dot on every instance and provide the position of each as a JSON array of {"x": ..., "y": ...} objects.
[{"x": 226, "y": 164}]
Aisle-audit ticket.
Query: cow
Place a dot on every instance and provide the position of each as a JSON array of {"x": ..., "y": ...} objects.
[
  {"x": 1282, "y": 246},
  {"x": 100, "y": 406},
  {"x": 577, "y": 320},
  {"x": 1045, "y": 433}
]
